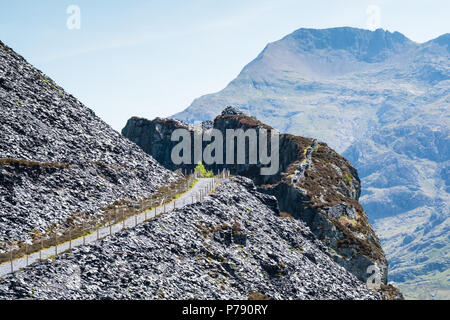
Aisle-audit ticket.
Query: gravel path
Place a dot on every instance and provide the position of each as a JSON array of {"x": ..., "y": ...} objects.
[{"x": 193, "y": 195}]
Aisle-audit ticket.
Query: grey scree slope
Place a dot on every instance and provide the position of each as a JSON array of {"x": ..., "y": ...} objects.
[
  {"x": 41, "y": 122},
  {"x": 231, "y": 244}
]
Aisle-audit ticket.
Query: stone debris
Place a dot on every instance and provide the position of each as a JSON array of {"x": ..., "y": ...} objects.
[
  {"x": 227, "y": 247},
  {"x": 57, "y": 157}
]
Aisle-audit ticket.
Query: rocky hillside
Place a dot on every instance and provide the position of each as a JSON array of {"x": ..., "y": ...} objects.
[
  {"x": 57, "y": 158},
  {"x": 382, "y": 101},
  {"x": 234, "y": 245},
  {"x": 314, "y": 185}
]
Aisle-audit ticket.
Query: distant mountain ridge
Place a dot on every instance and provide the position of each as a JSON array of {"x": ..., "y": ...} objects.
[{"x": 382, "y": 101}]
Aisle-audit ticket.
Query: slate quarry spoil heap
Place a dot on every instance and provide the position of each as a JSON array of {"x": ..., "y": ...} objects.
[
  {"x": 233, "y": 245},
  {"x": 57, "y": 158}
]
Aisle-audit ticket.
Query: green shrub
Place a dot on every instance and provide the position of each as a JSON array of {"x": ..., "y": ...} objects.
[
  {"x": 200, "y": 168},
  {"x": 348, "y": 178}
]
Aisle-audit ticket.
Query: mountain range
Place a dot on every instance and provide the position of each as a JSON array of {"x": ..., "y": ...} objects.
[
  {"x": 382, "y": 100},
  {"x": 62, "y": 166}
]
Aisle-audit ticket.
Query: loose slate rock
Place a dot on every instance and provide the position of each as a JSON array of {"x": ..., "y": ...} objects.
[
  {"x": 197, "y": 252},
  {"x": 57, "y": 157}
]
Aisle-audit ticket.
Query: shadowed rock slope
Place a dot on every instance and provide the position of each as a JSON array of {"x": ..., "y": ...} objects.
[
  {"x": 314, "y": 184},
  {"x": 57, "y": 158},
  {"x": 234, "y": 245}
]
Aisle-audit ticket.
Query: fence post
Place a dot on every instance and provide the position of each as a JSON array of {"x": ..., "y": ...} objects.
[
  {"x": 83, "y": 231},
  {"x": 42, "y": 248},
  {"x": 123, "y": 218},
  {"x": 110, "y": 220}
]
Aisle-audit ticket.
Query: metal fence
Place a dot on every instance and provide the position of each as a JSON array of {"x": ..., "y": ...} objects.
[{"x": 82, "y": 228}]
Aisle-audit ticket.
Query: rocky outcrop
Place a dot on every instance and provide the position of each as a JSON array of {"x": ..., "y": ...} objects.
[
  {"x": 154, "y": 137},
  {"x": 57, "y": 158},
  {"x": 230, "y": 246},
  {"x": 314, "y": 184},
  {"x": 230, "y": 110}
]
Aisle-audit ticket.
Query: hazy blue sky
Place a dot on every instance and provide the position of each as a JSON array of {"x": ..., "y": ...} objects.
[{"x": 152, "y": 58}]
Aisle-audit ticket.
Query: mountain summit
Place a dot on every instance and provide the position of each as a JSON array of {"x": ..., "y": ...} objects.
[{"x": 363, "y": 45}]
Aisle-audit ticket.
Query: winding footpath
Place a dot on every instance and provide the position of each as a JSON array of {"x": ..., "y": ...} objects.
[
  {"x": 202, "y": 187},
  {"x": 306, "y": 163}
]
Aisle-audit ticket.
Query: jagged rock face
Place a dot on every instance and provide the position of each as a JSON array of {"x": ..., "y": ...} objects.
[
  {"x": 226, "y": 247},
  {"x": 57, "y": 157},
  {"x": 314, "y": 184},
  {"x": 154, "y": 137},
  {"x": 230, "y": 110}
]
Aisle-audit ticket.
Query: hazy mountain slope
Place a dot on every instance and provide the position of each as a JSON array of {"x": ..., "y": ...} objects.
[
  {"x": 377, "y": 97},
  {"x": 421, "y": 257},
  {"x": 57, "y": 158}
]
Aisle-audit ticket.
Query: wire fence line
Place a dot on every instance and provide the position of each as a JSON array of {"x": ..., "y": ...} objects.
[{"x": 83, "y": 229}]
